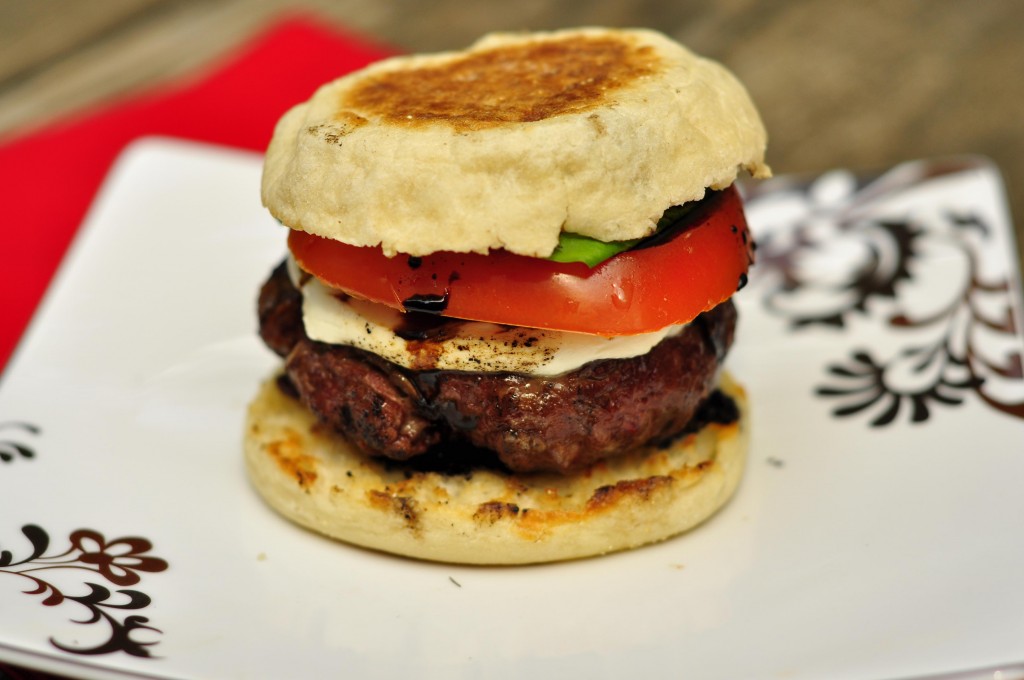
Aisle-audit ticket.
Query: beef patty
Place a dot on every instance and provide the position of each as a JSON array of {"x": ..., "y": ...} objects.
[{"x": 532, "y": 423}]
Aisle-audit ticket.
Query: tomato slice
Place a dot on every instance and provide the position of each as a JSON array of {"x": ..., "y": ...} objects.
[{"x": 689, "y": 271}]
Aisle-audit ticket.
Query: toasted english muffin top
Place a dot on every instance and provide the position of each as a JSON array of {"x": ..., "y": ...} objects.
[{"x": 509, "y": 143}]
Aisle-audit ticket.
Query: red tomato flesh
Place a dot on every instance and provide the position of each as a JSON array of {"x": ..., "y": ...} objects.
[{"x": 638, "y": 291}]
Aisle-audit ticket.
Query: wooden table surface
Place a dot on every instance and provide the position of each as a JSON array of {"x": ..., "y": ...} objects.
[{"x": 862, "y": 85}]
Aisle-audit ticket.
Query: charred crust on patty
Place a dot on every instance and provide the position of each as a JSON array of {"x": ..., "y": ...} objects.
[{"x": 533, "y": 423}]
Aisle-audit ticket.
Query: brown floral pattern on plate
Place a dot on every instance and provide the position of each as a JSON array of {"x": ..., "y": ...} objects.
[
  {"x": 10, "y": 448},
  {"x": 853, "y": 251},
  {"x": 118, "y": 561}
]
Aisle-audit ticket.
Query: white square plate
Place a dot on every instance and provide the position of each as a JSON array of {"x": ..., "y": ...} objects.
[{"x": 877, "y": 533}]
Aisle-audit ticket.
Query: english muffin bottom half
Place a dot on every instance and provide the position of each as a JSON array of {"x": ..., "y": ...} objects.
[{"x": 318, "y": 480}]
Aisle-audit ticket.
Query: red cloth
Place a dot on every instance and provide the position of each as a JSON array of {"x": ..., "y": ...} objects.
[{"x": 48, "y": 178}]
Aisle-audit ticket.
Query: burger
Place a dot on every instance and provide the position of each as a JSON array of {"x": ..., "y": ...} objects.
[{"x": 507, "y": 299}]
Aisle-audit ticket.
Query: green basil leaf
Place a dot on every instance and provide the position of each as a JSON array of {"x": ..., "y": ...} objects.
[{"x": 590, "y": 251}]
